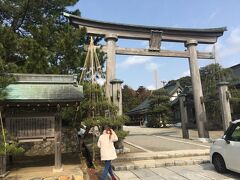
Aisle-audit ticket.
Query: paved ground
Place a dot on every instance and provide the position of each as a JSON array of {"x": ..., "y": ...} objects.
[
  {"x": 150, "y": 140},
  {"x": 45, "y": 172},
  {"x": 164, "y": 139},
  {"x": 26, "y": 168},
  {"x": 194, "y": 172},
  {"x": 162, "y": 143},
  {"x": 172, "y": 132},
  {"x": 170, "y": 139}
]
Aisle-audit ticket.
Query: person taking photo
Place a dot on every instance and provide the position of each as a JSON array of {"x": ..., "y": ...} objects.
[{"x": 107, "y": 150}]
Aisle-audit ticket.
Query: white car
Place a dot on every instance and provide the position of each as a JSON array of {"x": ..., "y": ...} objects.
[{"x": 225, "y": 152}]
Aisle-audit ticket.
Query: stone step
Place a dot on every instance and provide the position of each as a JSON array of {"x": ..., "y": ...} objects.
[
  {"x": 154, "y": 163},
  {"x": 160, "y": 155}
]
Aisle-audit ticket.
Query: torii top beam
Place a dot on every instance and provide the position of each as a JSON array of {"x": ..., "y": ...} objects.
[{"x": 129, "y": 31}]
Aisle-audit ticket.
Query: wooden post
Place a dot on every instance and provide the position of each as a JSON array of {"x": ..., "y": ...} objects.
[
  {"x": 200, "y": 112},
  {"x": 3, "y": 161},
  {"x": 224, "y": 96},
  {"x": 184, "y": 117},
  {"x": 3, "y": 165},
  {"x": 58, "y": 130},
  {"x": 111, "y": 40}
]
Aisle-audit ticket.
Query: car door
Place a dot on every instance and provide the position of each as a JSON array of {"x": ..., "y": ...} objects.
[{"x": 232, "y": 157}]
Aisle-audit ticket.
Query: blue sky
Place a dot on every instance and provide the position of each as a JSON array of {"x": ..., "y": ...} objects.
[{"x": 138, "y": 71}]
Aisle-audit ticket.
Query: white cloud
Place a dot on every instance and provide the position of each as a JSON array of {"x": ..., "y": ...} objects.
[
  {"x": 145, "y": 44},
  {"x": 209, "y": 48},
  {"x": 218, "y": 50},
  {"x": 151, "y": 87},
  {"x": 186, "y": 73},
  {"x": 234, "y": 37},
  {"x": 134, "y": 60},
  {"x": 228, "y": 52},
  {"x": 163, "y": 47},
  {"x": 151, "y": 66}
]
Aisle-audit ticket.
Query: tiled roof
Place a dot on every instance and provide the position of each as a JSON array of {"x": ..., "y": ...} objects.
[{"x": 141, "y": 107}]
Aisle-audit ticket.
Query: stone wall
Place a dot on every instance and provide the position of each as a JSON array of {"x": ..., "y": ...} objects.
[{"x": 69, "y": 144}]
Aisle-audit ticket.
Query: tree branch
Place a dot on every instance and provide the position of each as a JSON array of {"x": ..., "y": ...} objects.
[{"x": 23, "y": 17}]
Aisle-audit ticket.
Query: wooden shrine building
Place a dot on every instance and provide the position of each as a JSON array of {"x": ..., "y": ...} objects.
[{"x": 32, "y": 108}]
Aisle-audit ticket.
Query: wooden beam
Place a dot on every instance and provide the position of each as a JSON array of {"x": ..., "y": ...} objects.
[
  {"x": 130, "y": 31},
  {"x": 146, "y": 52},
  {"x": 58, "y": 129},
  {"x": 161, "y": 53},
  {"x": 205, "y": 55},
  {"x": 3, "y": 166}
]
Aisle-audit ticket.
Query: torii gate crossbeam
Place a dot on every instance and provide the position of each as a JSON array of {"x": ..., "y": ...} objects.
[{"x": 155, "y": 35}]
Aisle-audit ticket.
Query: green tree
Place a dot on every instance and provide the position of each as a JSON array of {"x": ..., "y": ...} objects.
[
  {"x": 142, "y": 93},
  {"x": 4, "y": 80},
  {"x": 37, "y": 38},
  {"x": 184, "y": 81},
  {"x": 130, "y": 99},
  {"x": 96, "y": 110},
  {"x": 160, "y": 109},
  {"x": 210, "y": 76}
]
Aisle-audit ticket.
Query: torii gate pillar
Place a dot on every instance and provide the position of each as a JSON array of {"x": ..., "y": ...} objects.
[
  {"x": 111, "y": 40},
  {"x": 200, "y": 112},
  {"x": 224, "y": 96},
  {"x": 116, "y": 95}
]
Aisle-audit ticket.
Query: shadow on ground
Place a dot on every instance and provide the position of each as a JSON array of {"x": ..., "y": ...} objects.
[
  {"x": 46, "y": 160},
  {"x": 229, "y": 173}
]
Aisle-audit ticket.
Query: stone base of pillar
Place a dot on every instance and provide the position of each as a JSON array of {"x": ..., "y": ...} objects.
[
  {"x": 204, "y": 140},
  {"x": 57, "y": 170},
  {"x": 5, "y": 174},
  {"x": 123, "y": 150}
]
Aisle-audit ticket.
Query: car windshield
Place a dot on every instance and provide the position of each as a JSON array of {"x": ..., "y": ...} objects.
[{"x": 236, "y": 133}]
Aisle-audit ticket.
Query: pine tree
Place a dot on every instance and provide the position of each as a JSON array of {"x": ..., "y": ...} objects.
[
  {"x": 97, "y": 111},
  {"x": 160, "y": 109},
  {"x": 211, "y": 75},
  {"x": 130, "y": 99},
  {"x": 36, "y": 38}
]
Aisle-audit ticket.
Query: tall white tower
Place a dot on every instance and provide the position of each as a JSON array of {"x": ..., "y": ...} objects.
[{"x": 156, "y": 79}]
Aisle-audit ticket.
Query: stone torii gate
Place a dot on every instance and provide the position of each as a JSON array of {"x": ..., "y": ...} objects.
[{"x": 155, "y": 35}]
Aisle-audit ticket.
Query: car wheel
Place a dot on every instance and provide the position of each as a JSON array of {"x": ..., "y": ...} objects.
[{"x": 219, "y": 163}]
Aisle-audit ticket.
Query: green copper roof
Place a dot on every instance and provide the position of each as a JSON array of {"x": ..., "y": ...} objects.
[
  {"x": 37, "y": 90},
  {"x": 43, "y": 92}
]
